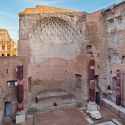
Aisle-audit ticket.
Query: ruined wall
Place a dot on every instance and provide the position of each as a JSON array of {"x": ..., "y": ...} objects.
[
  {"x": 96, "y": 32},
  {"x": 7, "y": 45},
  {"x": 8, "y": 78},
  {"x": 54, "y": 44},
  {"x": 115, "y": 28}
]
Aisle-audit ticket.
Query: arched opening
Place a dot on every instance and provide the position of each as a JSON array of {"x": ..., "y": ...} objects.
[
  {"x": 2, "y": 54},
  {"x": 98, "y": 95},
  {"x": 113, "y": 86},
  {"x": 8, "y": 54},
  {"x": 123, "y": 60},
  {"x": 88, "y": 49},
  {"x": 109, "y": 59},
  {"x": 78, "y": 81},
  {"x": 113, "y": 89}
]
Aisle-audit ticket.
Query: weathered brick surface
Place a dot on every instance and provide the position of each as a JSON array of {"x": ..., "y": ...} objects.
[
  {"x": 54, "y": 44},
  {"x": 8, "y": 73},
  {"x": 60, "y": 45}
]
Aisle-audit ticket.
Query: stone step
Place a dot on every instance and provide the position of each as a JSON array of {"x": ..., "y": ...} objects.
[
  {"x": 63, "y": 97},
  {"x": 46, "y": 95},
  {"x": 47, "y": 102}
]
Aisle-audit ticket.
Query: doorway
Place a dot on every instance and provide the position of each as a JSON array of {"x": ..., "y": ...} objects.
[
  {"x": 78, "y": 81},
  {"x": 98, "y": 97},
  {"x": 8, "y": 109}
]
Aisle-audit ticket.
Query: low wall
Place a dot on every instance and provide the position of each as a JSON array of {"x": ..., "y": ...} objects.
[{"x": 118, "y": 110}]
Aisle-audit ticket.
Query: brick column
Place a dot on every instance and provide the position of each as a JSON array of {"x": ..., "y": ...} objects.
[
  {"x": 118, "y": 87},
  {"x": 92, "y": 80},
  {"x": 20, "y": 89}
]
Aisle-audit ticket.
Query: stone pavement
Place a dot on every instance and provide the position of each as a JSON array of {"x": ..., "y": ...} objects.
[{"x": 66, "y": 116}]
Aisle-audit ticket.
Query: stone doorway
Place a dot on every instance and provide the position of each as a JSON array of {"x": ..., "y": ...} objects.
[
  {"x": 78, "y": 81},
  {"x": 113, "y": 89},
  {"x": 8, "y": 109}
]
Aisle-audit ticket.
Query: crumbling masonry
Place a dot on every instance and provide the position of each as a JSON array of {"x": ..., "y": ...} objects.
[{"x": 56, "y": 48}]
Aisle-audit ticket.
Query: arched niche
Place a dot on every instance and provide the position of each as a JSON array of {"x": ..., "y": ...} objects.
[
  {"x": 113, "y": 85},
  {"x": 89, "y": 49},
  {"x": 55, "y": 30}
]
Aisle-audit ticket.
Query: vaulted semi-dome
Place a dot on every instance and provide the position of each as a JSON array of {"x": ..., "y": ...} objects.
[{"x": 55, "y": 30}]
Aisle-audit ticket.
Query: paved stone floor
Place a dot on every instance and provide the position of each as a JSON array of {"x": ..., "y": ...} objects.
[
  {"x": 66, "y": 116},
  {"x": 61, "y": 117}
]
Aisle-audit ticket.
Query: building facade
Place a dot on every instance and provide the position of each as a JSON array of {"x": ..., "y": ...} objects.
[
  {"x": 55, "y": 38},
  {"x": 57, "y": 46},
  {"x": 114, "y": 18},
  {"x": 7, "y": 46}
]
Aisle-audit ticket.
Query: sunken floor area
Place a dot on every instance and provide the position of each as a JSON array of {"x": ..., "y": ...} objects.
[{"x": 67, "y": 116}]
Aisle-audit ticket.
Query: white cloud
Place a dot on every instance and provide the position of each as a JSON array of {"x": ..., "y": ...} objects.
[
  {"x": 37, "y": 2},
  {"x": 5, "y": 14}
]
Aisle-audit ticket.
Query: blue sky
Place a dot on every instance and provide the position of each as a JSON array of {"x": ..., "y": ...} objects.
[{"x": 9, "y": 9}]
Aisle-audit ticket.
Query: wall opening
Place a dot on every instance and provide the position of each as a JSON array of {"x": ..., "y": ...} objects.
[
  {"x": 78, "y": 81},
  {"x": 3, "y": 47},
  {"x": 119, "y": 19},
  {"x": 97, "y": 79},
  {"x": 111, "y": 22},
  {"x": 29, "y": 84},
  {"x": 8, "y": 109},
  {"x": 98, "y": 97},
  {"x": 6, "y": 70},
  {"x": 88, "y": 49},
  {"x": 2, "y": 54},
  {"x": 113, "y": 86},
  {"x": 12, "y": 83},
  {"x": 109, "y": 59},
  {"x": 123, "y": 60}
]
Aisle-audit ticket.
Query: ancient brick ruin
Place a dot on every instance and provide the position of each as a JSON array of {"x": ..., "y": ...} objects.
[
  {"x": 69, "y": 57},
  {"x": 7, "y": 46}
]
